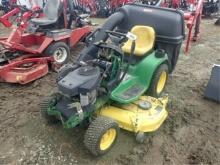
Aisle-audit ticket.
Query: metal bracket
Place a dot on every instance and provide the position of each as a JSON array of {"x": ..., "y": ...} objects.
[{"x": 78, "y": 107}]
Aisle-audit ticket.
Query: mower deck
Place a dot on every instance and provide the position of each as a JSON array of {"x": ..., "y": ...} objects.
[
  {"x": 25, "y": 70},
  {"x": 145, "y": 115}
]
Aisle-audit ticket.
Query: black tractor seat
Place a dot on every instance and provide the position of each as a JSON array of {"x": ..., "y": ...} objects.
[{"x": 51, "y": 12}]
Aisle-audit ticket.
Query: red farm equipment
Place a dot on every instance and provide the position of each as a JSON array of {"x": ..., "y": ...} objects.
[
  {"x": 192, "y": 10},
  {"x": 102, "y": 8},
  {"x": 88, "y": 6},
  {"x": 38, "y": 42},
  {"x": 21, "y": 16},
  {"x": 114, "y": 4}
]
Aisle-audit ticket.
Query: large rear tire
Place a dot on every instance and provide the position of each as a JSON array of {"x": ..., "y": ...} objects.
[
  {"x": 101, "y": 135},
  {"x": 158, "y": 81}
]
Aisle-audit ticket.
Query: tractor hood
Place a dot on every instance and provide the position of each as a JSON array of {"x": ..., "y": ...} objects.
[
  {"x": 80, "y": 81},
  {"x": 167, "y": 23}
]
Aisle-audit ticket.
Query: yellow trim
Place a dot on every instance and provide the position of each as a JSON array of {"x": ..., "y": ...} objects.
[
  {"x": 145, "y": 40},
  {"x": 107, "y": 139},
  {"x": 161, "y": 82},
  {"x": 132, "y": 118}
]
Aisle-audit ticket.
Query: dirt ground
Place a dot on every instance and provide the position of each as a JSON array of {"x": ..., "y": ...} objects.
[{"x": 190, "y": 135}]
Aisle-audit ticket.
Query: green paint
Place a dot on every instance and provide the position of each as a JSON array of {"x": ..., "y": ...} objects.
[
  {"x": 74, "y": 120},
  {"x": 140, "y": 76}
]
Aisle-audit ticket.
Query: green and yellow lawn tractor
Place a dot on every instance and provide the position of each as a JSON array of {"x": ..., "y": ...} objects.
[{"x": 119, "y": 76}]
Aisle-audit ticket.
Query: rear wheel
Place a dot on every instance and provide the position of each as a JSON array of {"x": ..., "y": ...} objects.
[
  {"x": 101, "y": 135},
  {"x": 46, "y": 103},
  {"x": 60, "y": 52},
  {"x": 159, "y": 80}
]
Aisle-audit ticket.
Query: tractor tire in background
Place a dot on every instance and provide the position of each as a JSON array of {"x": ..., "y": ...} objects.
[
  {"x": 60, "y": 51},
  {"x": 101, "y": 135},
  {"x": 158, "y": 81},
  {"x": 103, "y": 8},
  {"x": 45, "y": 104}
]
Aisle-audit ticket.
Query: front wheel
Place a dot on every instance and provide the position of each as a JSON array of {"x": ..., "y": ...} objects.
[
  {"x": 140, "y": 137},
  {"x": 47, "y": 103},
  {"x": 101, "y": 135},
  {"x": 159, "y": 80},
  {"x": 60, "y": 52}
]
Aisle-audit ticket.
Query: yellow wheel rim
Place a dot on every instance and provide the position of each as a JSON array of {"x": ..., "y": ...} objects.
[
  {"x": 107, "y": 139},
  {"x": 161, "y": 82}
]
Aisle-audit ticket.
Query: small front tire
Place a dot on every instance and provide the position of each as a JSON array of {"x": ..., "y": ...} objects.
[
  {"x": 140, "y": 137},
  {"x": 46, "y": 103},
  {"x": 101, "y": 135}
]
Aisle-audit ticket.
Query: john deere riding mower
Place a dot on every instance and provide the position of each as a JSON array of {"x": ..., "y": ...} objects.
[{"x": 119, "y": 76}]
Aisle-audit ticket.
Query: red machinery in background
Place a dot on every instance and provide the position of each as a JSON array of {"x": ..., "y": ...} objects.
[
  {"x": 192, "y": 10},
  {"x": 114, "y": 4},
  {"x": 193, "y": 20},
  {"x": 21, "y": 16},
  {"x": 88, "y": 6},
  {"x": 101, "y": 8},
  {"x": 37, "y": 42}
]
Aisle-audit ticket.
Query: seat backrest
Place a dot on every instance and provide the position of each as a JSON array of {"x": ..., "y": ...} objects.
[
  {"x": 145, "y": 36},
  {"x": 144, "y": 42},
  {"x": 52, "y": 9}
]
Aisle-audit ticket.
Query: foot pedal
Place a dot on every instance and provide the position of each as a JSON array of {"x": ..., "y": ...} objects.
[{"x": 129, "y": 93}]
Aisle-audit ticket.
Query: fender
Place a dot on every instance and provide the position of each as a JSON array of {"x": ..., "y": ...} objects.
[
  {"x": 138, "y": 79},
  {"x": 146, "y": 68}
]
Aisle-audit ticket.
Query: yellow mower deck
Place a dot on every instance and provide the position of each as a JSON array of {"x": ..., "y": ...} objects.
[{"x": 145, "y": 115}]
